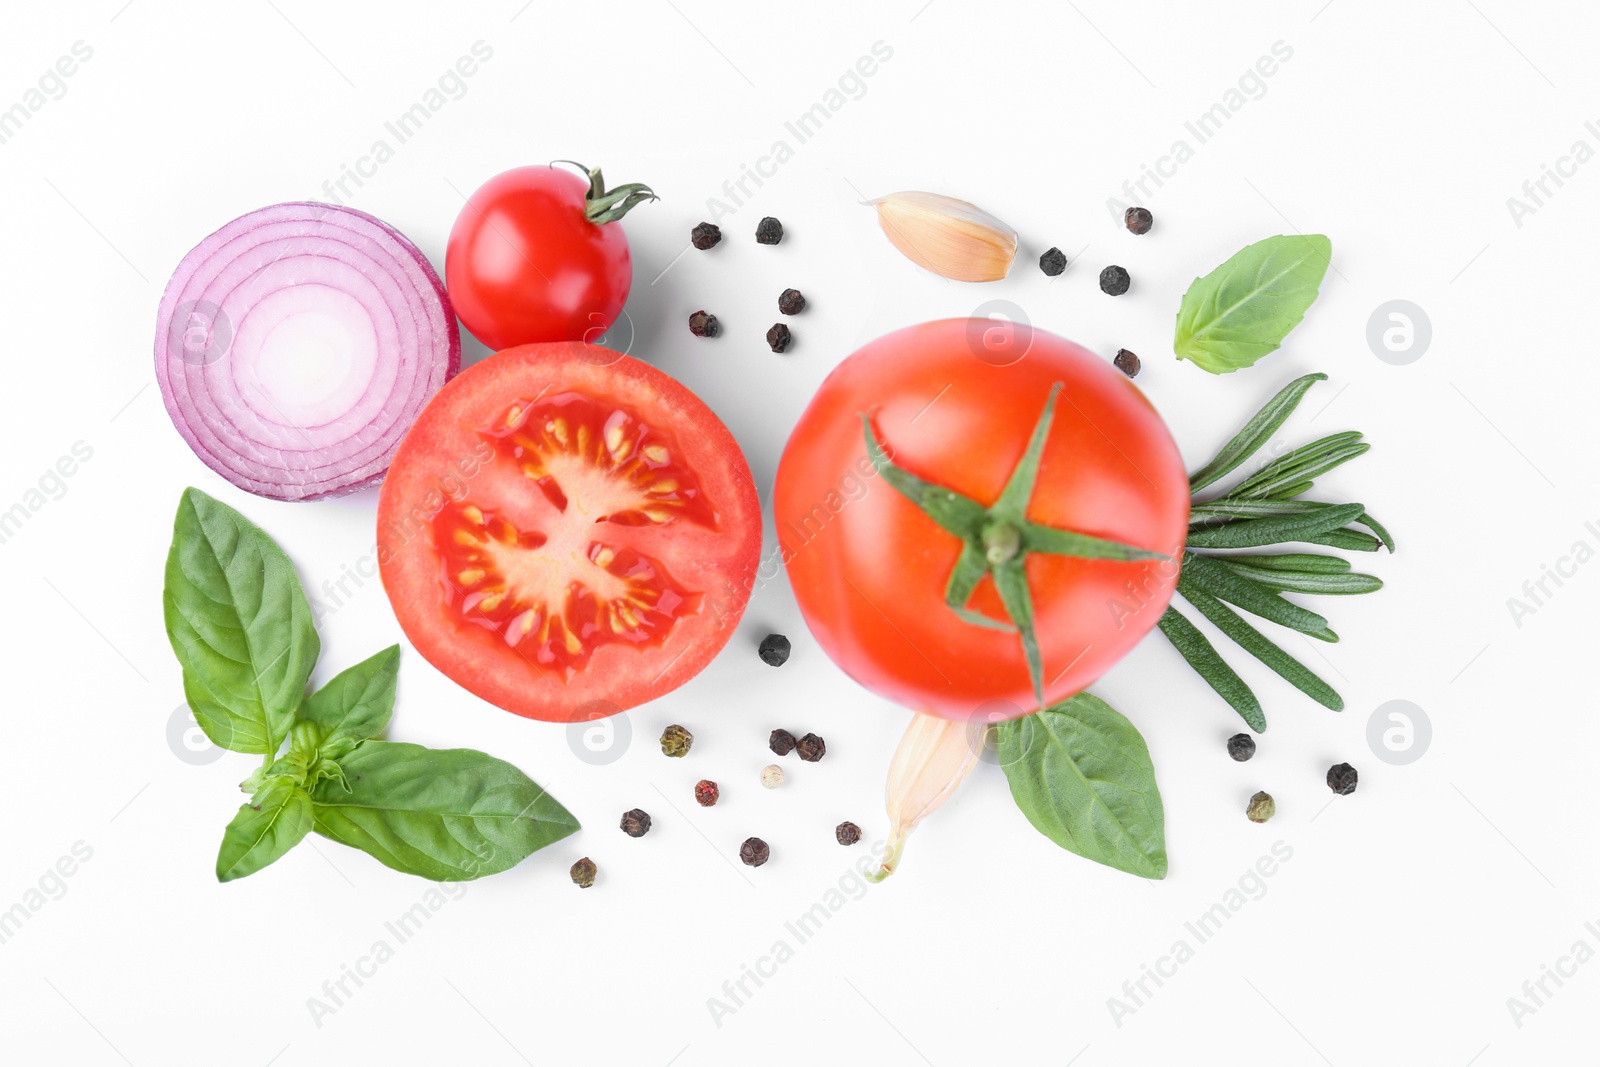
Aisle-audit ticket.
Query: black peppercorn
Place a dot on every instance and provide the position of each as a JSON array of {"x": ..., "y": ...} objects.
[
  {"x": 1138, "y": 219},
  {"x": 1342, "y": 779},
  {"x": 769, "y": 231},
  {"x": 781, "y": 742},
  {"x": 791, "y": 302},
  {"x": 1241, "y": 747},
  {"x": 636, "y": 823},
  {"x": 779, "y": 337},
  {"x": 705, "y": 235},
  {"x": 812, "y": 748},
  {"x": 583, "y": 873},
  {"x": 754, "y": 852},
  {"x": 1053, "y": 262},
  {"x": 702, "y": 324},
  {"x": 675, "y": 741},
  {"x": 1113, "y": 281},
  {"x": 847, "y": 833},
  {"x": 774, "y": 650},
  {"x": 1126, "y": 362}
]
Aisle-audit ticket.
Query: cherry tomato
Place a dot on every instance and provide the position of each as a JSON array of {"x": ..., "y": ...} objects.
[
  {"x": 871, "y": 568},
  {"x": 537, "y": 254},
  {"x": 568, "y": 533}
]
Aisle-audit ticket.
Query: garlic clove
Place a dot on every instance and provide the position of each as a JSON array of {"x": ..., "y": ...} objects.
[
  {"x": 950, "y": 237},
  {"x": 934, "y": 757}
]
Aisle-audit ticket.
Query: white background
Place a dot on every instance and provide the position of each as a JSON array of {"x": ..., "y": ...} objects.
[{"x": 1408, "y": 913}]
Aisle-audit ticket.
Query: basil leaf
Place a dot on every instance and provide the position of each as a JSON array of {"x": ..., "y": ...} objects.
[
  {"x": 448, "y": 815},
  {"x": 356, "y": 704},
  {"x": 1082, "y": 775},
  {"x": 275, "y": 820},
  {"x": 1245, "y": 308},
  {"x": 239, "y": 624}
]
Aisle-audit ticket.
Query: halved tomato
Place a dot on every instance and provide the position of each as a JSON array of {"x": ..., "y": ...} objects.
[{"x": 567, "y": 532}]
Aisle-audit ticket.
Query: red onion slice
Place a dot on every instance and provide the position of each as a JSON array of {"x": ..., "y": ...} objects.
[{"x": 296, "y": 345}]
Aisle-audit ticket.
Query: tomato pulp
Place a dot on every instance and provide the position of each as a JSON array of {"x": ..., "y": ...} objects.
[
  {"x": 567, "y": 532},
  {"x": 870, "y": 567}
]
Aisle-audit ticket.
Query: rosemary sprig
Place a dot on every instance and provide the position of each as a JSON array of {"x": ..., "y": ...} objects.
[{"x": 1264, "y": 510}]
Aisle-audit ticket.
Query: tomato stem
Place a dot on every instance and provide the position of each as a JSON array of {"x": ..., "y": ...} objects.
[
  {"x": 996, "y": 540},
  {"x": 602, "y": 205}
]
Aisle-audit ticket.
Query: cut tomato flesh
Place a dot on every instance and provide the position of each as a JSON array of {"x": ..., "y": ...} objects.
[{"x": 598, "y": 545}]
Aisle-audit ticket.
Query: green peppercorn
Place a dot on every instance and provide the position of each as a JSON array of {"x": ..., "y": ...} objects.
[
  {"x": 1261, "y": 808},
  {"x": 583, "y": 873},
  {"x": 676, "y": 741},
  {"x": 1241, "y": 747},
  {"x": 636, "y": 823},
  {"x": 1342, "y": 779}
]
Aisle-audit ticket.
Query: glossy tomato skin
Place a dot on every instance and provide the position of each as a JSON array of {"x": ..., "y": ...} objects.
[
  {"x": 869, "y": 568},
  {"x": 523, "y": 264},
  {"x": 460, "y": 471}
]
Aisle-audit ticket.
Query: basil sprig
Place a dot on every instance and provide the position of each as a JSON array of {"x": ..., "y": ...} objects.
[
  {"x": 240, "y": 625},
  {"x": 1245, "y": 308}
]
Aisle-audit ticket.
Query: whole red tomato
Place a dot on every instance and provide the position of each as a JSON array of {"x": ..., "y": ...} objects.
[
  {"x": 537, "y": 255},
  {"x": 917, "y": 570}
]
